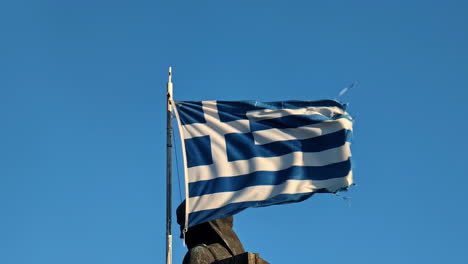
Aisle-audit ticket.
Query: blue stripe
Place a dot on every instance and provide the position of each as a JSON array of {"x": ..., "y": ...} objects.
[
  {"x": 230, "y": 184},
  {"x": 292, "y": 121},
  {"x": 234, "y": 208},
  {"x": 191, "y": 112},
  {"x": 241, "y": 146},
  {"x": 231, "y": 111},
  {"x": 236, "y": 110}
]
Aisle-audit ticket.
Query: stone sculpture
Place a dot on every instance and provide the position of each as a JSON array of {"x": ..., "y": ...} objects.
[{"x": 211, "y": 241}]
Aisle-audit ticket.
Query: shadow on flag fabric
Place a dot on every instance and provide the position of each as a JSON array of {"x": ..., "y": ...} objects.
[{"x": 244, "y": 154}]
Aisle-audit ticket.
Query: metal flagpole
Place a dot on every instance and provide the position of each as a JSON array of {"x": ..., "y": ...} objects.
[{"x": 169, "y": 172}]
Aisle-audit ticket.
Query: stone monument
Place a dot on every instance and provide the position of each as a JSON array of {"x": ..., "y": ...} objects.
[{"x": 214, "y": 242}]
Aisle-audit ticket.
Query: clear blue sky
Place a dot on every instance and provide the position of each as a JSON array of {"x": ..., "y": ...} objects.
[{"x": 82, "y": 123}]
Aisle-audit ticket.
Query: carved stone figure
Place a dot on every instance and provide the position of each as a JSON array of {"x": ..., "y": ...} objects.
[{"x": 211, "y": 241}]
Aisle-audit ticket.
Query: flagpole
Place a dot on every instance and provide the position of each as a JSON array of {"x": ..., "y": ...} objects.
[{"x": 169, "y": 171}]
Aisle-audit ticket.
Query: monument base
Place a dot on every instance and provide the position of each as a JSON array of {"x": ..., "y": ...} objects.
[{"x": 244, "y": 258}]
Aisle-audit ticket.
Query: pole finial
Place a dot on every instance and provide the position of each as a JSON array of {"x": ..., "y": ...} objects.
[
  {"x": 169, "y": 89},
  {"x": 170, "y": 73}
]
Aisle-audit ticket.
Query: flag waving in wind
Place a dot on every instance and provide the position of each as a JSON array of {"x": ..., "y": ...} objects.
[{"x": 244, "y": 154}]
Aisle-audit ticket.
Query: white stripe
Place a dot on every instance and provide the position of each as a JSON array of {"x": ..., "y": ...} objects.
[
  {"x": 265, "y": 192},
  {"x": 269, "y": 113},
  {"x": 199, "y": 130},
  {"x": 241, "y": 167},
  {"x": 305, "y": 132}
]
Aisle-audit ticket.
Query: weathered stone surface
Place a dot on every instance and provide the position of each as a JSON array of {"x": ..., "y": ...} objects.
[
  {"x": 244, "y": 258},
  {"x": 214, "y": 242},
  {"x": 211, "y": 241}
]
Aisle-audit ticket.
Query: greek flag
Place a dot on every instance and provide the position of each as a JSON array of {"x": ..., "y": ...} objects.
[{"x": 249, "y": 154}]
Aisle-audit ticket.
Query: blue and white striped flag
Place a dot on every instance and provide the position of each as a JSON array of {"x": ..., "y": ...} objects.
[{"x": 250, "y": 154}]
